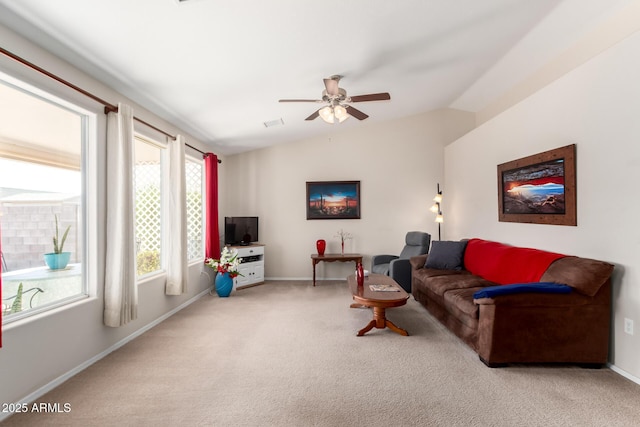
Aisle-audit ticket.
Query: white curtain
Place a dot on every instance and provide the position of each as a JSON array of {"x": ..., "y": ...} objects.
[
  {"x": 120, "y": 289},
  {"x": 177, "y": 220}
]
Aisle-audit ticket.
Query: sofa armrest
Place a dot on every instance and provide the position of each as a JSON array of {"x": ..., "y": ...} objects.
[
  {"x": 382, "y": 259},
  {"x": 536, "y": 328},
  {"x": 417, "y": 262}
]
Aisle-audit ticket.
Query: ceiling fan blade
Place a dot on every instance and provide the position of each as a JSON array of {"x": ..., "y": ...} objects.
[
  {"x": 300, "y": 100},
  {"x": 332, "y": 86},
  {"x": 355, "y": 113},
  {"x": 313, "y": 116},
  {"x": 371, "y": 97}
]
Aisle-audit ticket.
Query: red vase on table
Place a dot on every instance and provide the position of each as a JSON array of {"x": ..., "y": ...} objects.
[
  {"x": 321, "y": 245},
  {"x": 360, "y": 274}
]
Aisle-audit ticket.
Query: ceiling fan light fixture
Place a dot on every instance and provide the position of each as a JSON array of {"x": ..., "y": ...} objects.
[
  {"x": 326, "y": 114},
  {"x": 341, "y": 113},
  {"x": 338, "y": 104}
]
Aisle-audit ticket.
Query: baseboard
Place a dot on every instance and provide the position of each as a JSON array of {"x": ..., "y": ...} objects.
[
  {"x": 29, "y": 399},
  {"x": 625, "y": 374},
  {"x": 304, "y": 278}
]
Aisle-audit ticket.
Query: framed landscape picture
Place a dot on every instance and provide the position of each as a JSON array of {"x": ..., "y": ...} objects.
[
  {"x": 333, "y": 200},
  {"x": 539, "y": 189}
]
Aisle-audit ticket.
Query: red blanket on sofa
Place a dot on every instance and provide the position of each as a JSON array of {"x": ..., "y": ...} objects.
[{"x": 504, "y": 264}]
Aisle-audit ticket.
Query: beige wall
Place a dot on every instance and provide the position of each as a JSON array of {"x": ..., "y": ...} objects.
[
  {"x": 398, "y": 164},
  {"x": 596, "y": 107}
]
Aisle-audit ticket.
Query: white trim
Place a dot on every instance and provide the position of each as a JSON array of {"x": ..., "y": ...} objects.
[
  {"x": 625, "y": 374},
  {"x": 29, "y": 399},
  {"x": 151, "y": 276},
  {"x": 87, "y": 234},
  {"x": 318, "y": 279},
  {"x": 37, "y": 316}
]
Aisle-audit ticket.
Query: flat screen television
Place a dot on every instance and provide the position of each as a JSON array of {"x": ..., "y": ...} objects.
[{"x": 240, "y": 230}]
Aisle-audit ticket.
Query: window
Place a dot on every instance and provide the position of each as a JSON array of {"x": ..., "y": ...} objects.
[
  {"x": 43, "y": 151},
  {"x": 193, "y": 173},
  {"x": 150, "y": 187},
  {"x": 148, "y": 193}
]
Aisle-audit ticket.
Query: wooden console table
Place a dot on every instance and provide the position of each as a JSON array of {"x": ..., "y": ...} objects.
[{"x": 315, "y": 259}]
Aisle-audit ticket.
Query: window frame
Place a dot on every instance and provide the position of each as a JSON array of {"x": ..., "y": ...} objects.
[
  {"x": 88, "y": 193},
  {"x": 163, "y": 147}
]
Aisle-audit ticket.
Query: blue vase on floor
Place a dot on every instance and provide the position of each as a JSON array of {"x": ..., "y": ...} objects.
[{"x": 224, "y": 284}]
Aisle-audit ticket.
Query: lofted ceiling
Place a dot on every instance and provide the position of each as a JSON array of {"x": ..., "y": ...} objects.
[{"x": 216, "y": 69}]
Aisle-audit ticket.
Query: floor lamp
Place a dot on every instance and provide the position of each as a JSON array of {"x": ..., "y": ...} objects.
[{"x": 436, "y": 209}]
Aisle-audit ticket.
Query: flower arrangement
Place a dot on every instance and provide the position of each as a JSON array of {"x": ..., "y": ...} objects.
[
  {"x": 343, "y": 235},
  {"x": 228, "y": 262}
]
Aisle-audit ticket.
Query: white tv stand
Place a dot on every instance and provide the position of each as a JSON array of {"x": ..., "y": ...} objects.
[{"x": 251, "y": 265}]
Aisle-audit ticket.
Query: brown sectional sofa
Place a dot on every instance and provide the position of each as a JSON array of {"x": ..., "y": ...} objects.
[{"x": 526, "y": 327}]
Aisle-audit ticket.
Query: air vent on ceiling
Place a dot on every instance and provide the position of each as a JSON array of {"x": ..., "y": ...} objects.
[{"x": 273, "y": 123}]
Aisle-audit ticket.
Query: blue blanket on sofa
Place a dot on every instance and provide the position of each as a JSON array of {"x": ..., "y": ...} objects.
[{"x": 518, "y": 288}]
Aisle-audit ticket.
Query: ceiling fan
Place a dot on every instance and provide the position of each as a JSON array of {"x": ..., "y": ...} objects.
[{"x": 338, "y": 102}]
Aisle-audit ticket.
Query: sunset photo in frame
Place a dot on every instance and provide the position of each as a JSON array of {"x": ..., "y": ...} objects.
[
  {"x": 539, "y": 189},
  {"x": 333, "y": 200}
]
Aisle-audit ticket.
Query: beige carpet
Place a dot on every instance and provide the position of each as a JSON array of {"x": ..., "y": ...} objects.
[{"x": 286, "y": 354}]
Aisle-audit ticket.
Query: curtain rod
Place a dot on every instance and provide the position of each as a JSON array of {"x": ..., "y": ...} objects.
[{"x": 108, "y": 107}]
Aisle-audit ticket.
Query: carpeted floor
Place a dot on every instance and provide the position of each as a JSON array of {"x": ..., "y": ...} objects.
[{"x": 286, "y": 354}]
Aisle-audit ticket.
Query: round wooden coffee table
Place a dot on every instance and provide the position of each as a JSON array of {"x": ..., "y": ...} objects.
[{"x": 364, "y": 296}]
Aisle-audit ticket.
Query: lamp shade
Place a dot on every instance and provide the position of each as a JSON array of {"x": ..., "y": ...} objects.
[
  {"x": 341, "y": 113},
  {"x": 326, "y": 114},
  {"x": 438, "y": 198},
  {"x": 439, "y": 218}
]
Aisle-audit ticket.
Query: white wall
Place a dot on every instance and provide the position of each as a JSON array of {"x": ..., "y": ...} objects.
[
  {"x": 595, "y": 106},
  {"x": 398, "y": 164},
  {"x": 40, "y": 350}
]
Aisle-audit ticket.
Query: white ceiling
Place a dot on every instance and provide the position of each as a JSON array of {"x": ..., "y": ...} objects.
[{"x": 216, "y": 69}]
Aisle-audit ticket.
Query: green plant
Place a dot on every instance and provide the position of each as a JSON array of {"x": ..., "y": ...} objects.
[
  {"x": 57, "y": 243},
  {"x": 16, "y": 306},
  {"x": 17, "y": 303},
  {"x": 147, "y": 262}
]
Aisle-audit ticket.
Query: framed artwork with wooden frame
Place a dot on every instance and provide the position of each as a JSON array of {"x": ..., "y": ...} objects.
[
  {"x": 333, "y": 200},
  {"x": 539, "y": 189}
]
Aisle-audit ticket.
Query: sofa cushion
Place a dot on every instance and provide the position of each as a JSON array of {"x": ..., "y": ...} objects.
[
  {"x": 459, "y": 302},
  {"x": 424, "y": 273},
  {"x": 446, "y": 255},
  {"x": 504, "y": 264},
  {"x": 441, "y": 284},
  {"x": 584, "y": 275}
]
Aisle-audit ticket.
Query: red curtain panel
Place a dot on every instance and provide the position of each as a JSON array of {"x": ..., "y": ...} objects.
[{"x": 212, "y": 229}]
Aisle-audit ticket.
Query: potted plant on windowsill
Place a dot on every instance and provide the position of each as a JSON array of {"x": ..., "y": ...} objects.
[{"x": 58, "y": 259}]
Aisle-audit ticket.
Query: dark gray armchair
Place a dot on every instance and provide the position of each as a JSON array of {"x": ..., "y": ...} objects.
[{"x": 398, "y": 266}]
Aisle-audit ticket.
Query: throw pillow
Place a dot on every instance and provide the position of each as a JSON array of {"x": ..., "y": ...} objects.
[{"x": 446, "y": 255}]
